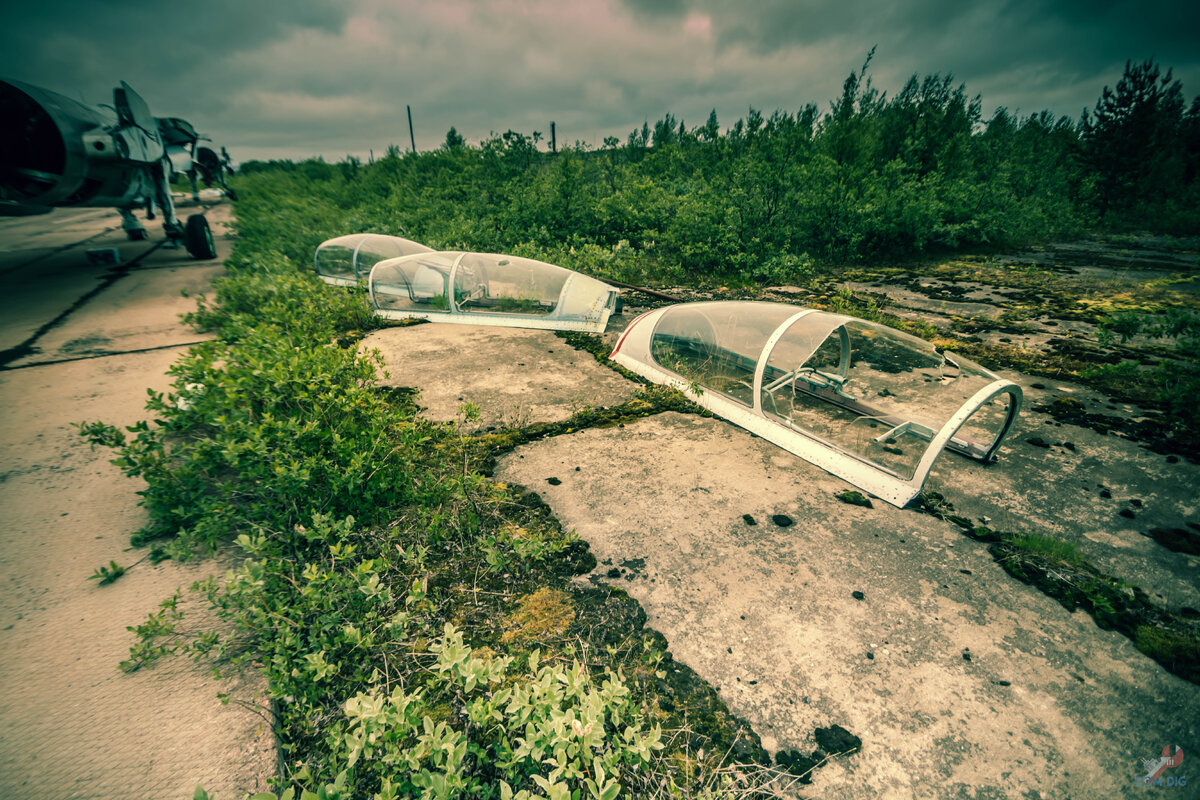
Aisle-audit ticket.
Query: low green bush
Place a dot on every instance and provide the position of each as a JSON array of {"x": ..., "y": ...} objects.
[
  {"x": 261, "y": 433},
  {"x": 545, "y": 728}
]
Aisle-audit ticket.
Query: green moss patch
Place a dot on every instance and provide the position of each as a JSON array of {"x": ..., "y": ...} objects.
[
  {"x": 853, "y": 498},
  {"x": 1058, "y": 569}
]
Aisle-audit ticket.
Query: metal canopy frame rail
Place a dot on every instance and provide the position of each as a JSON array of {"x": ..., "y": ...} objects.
[{"x": 870, "y": 404}]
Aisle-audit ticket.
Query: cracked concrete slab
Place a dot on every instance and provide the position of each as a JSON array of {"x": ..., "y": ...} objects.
[
  {"x": 514, "y": 376},
  {"x": 1058, "y": 488},
  {"x": 961, "y": 681},
  {"x": 139, "y": 307},
  {"x": 921, "y": 303},
  {"x": 72, "y": 725},
  {"x": 27, "y": 240}
]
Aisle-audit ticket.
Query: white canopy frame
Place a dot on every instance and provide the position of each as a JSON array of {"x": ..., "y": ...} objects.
[
  {"x": 582, "y": 303},
  {"x": 635, "y": 351}
]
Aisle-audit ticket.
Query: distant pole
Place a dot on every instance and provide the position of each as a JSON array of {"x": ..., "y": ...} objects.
[
  {"x": 372, "y": 152},
  {"x": 411, "y": 138},
  {"x": 553, "y": 143}
]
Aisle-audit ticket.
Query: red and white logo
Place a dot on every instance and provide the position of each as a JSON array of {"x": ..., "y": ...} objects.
[{"x": 1157, "y": 766}]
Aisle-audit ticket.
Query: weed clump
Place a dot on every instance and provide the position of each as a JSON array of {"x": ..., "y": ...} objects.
[
  {"x": 853, "y": 498},
  {"x": 1054, "y": 551}
]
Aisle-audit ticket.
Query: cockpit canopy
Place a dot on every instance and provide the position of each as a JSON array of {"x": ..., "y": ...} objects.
[
  {"x": 347, "y": 259},
  {"x": 490, "y": 289},
  {"x": 868, "y": 403}
]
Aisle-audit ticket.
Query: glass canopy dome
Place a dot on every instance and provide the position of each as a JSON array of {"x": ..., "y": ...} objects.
[
  {"x": 868, "y": 403},
  {"x": 490, "y": 289},
  {"x": 347, "y": 259}
]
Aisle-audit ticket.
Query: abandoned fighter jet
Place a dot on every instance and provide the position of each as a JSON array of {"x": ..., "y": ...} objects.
[
  {"x": 55, "y": 152},
  {"x": 193, "y": 159}
]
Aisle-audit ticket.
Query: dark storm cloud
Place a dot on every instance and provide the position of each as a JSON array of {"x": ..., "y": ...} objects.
[
  {"x": 1080, "y": 26},
  {"x": 1023, "y": 53},
  {"x": 83, "y": 46},
  {"x": 291, "y": 78}
]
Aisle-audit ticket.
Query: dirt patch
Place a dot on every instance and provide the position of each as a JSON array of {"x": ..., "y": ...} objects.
[{"x": 515, "y": 377}]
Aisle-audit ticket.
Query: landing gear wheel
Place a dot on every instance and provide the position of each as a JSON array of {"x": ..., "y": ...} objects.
[
  {"x": 197, "y": 238},
  {"x": 136, "y": 235}
]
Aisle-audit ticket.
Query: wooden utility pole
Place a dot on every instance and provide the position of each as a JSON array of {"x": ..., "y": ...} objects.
[
  {"x": 411, "y": 138},
  {"x": 553, "y": 143}
]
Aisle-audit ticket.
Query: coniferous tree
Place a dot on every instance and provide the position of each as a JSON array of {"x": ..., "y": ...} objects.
[
  {"x": 454, "y": 139},
  {"x": 1132, "y": 143}
]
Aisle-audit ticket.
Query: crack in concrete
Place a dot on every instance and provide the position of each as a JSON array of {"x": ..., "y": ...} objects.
[
  {"x": 135, "y": 351},
  {"x": 26, "y": 348},
  {"x": 58, "y": 250}
]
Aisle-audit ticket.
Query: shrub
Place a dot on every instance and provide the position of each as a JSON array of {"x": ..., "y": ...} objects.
[{"x": 509, "y": 733}]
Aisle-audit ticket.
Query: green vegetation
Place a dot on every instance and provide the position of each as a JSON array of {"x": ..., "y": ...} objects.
[
  {"x": 1174, "y": 382},
  {"x": 415, "y": 620},
  {"x": 1139, "y": 140},
  {"x": 1057, "y": 568},
  {"x": 873, "y": 177},
  {"x": 1053, "y": 551},
  {"x": 108, "y": 573},
  {"x": 853, "y": 498},
  {"x": 899, "y": 181},
  {"x": 1181, "y": 653}
]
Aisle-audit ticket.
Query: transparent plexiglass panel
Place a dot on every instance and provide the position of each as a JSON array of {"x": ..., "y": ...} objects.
[
  {"x": 347, "y": 259},
  {"x": 496, "y": 284},
  {"x": 876, "y": 393},
  {"x": 376, "y": 247},
  {"x": 586, "y": 300},
  {"x": 415, "y": 283},
  {"x": 717, "y": 346},
  {"x": 335, "y": 258}
]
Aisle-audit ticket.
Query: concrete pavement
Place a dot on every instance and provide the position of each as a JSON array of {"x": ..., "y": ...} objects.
[
  {"x": 961, "y": 681},
  {"x": 84, "y": 342}
]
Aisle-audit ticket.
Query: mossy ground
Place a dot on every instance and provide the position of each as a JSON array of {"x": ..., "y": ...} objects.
[
  {"x": 1052, "y": 565},
  {"x": 1058, "y": 569},
  {"x": 607, "y": 627},
  {"x": 535, "y": 604}
]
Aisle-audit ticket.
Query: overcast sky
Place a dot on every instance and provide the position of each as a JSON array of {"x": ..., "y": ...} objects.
[{"x": 295, "y": 78}]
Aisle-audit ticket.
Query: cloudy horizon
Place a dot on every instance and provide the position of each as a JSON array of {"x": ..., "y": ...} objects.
[{"x": 299, "y": 78}]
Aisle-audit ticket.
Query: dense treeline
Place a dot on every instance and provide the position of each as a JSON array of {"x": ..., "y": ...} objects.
[{"x": 873, "y": 177}]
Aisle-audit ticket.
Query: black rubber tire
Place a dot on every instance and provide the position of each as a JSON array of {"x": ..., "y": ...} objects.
[
  {"x": 197, "y": 238},
  {"x": 136, "y": 235}
]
